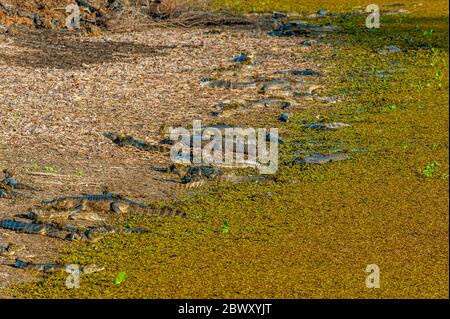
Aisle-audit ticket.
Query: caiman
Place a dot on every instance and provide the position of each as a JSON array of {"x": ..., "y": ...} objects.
[
  {"x": 196, "y": 176},
  {"x": 123, "y": 140},
  {"x": 224, "y": 84},
  {"x": 9, "y": 186},
  {"x": 108, "y": 202},
  {"x": 46, "y": 229},
  {"x": 52, "y": 266},
  {"x": 66, "y": 232}
]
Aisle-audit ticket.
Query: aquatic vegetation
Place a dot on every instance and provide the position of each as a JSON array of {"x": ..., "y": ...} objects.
[
  {"x": 430, "y": 169},
  {"x": 120, "y": 278},
  {"x": 390, "y": 108},
  {"x": 225, "y": 227},
  {"x": 428, "y": 34}
]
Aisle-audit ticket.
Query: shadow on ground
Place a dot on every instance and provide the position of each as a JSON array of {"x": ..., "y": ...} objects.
[{"x": 62, "y": 50}]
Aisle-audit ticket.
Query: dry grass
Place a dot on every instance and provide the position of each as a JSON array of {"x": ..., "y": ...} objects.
[
  {"x": 171, "y": 13},
  {"x": 132, "y": 15}
]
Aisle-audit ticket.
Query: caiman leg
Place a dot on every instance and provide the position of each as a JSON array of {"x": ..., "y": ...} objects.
[{"x": 119, "y": 208}]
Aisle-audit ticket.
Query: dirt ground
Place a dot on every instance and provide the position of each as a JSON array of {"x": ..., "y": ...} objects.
[{"x": 61, "y": 91}]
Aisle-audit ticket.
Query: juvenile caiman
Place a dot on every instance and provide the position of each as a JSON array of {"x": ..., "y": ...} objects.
[
  {"x": 224, "y": 84},
  {"x": 48, "y": 267},
  {"x": 197, "y": 176},
  {"x": 123, "y": 140},
  {"x": 66, "y": 232},
  {"x": 108, "y": 202},
  {"x": 46, "y": 229},
  {"x": 9, "y": 185},
  {"x": 189, "y": 182},
  {"x": 11, "y": 181}
]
